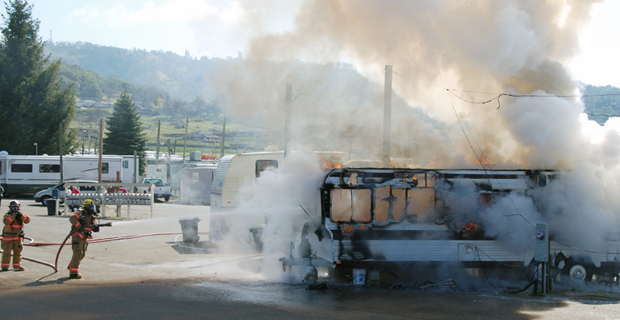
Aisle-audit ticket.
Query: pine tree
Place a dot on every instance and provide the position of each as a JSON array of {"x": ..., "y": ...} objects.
[
  {"x": 33, "y": 102},
  {"x": 124, "y": 131}
]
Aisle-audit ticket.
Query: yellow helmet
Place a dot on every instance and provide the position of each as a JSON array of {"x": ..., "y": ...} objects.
[{"x": 87, "y": 202}]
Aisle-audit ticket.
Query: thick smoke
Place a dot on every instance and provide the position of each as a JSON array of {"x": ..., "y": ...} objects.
[{"x": 478, "y": 50}]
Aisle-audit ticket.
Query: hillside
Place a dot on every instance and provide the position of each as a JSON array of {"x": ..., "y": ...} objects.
[
  {"x": 601, "y": 100},
  {"x": 183, "y": 77},
  {"x": 169, "y": 87}
]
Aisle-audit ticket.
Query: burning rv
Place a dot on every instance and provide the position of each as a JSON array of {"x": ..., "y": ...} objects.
[{"x": 377, "y": 216}]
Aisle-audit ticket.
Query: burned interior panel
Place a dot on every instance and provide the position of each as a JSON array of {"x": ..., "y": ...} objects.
[{"x": 374, "y": 214}]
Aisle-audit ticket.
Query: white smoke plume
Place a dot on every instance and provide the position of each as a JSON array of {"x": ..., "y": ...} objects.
[{"x": 478, "y": 50}]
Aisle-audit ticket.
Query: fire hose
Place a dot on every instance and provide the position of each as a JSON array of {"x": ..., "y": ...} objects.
[{"x": 54, "y": 266}]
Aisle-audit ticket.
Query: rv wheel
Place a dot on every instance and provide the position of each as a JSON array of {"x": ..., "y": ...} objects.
[
  {"x": 256, "y": 235},
  {"x": 578, "y": 271}
]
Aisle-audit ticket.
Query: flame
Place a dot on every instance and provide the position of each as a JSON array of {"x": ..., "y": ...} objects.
[
  {"x": 470, "y": 226},
  {"x": 330, "y": 165}
]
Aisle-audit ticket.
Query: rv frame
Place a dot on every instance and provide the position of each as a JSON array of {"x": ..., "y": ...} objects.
[{"x": 373, "y": 217}]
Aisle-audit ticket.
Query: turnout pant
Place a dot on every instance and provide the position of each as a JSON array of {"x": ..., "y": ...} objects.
[
  {"x": 79, "y": 251},
  {"x": 16, "y": 247}
]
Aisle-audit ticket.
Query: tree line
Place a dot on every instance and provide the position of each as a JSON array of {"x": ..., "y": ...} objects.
[{"x": 151, "y": 100}]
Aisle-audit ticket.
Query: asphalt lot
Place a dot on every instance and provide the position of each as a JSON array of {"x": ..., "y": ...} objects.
[{"x": 153, "y": 277}]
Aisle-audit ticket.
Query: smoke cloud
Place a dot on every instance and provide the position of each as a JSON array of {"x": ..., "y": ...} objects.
[{"x": 334, "y": 54}]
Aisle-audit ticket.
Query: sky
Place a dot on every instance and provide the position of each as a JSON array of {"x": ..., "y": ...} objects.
[{"x": 216, "y": 28}]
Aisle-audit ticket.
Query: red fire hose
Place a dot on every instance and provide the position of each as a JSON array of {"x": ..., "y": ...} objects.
[{"x": 99, "y": 240}]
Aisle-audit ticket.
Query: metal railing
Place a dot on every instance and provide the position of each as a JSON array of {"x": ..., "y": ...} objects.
[{"x": 102, "y": 198}]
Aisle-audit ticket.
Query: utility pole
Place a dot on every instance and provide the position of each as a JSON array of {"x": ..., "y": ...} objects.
[
  {"x": 185, "y": 141},
  {"x": 100, "y": 148},
  {"x": 387, "y": 116},
  {"x": 287, "y": 117},
  {"x": 82, "y": 137},
  {"x": 89, "y": 130},
  {"x": 168, "y": 172},
  {"x": 223, "y": 138},
  {"x": 135, "y": 166},
  {"x": 60, "y": 151},
  {"x": 158, "y": 130}
]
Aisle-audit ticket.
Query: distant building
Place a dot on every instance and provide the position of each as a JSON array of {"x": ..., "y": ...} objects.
[
  {"x": 250, "y": 132},
  {"x": 204, "y": 137}
]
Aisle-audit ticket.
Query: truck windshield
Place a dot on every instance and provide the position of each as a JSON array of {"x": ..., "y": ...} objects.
[{"x": 156, "y": 182}]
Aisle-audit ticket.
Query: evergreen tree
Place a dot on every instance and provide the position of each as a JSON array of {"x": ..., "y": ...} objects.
[
  {"x": 33, "y": 101},
  {"x": 125, "y": 131}
]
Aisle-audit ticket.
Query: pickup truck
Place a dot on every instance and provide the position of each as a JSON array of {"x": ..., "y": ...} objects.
[{"x": 160, "y": 191}]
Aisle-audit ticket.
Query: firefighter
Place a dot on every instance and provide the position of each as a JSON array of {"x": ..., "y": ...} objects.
[
  {"x": 83, "y": 224},
  {"x": 12, "y": 236}
]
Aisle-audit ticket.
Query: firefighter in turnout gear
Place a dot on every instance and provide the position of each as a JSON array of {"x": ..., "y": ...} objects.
[
  {"x": 83, "y": 224},
  {"x": 12, "y": 236}
]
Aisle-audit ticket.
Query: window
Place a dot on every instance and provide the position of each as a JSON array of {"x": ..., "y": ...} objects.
[
  {"x": 158, "y": 168},
  {"x": 88, "y": 188},
  {"x": 126, "y": 164},
  {"x": 49, "y": 168},
  {"x": 21, "y": 167},
  {"x": 265, "y": 165},
  {"x": 105, "y": 167},
  {"x": 351, "y": 205},
  {"x": 156, "y": 182}
]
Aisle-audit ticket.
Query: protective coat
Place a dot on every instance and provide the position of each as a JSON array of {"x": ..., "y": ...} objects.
[
  {"x": 12, "y": 238},
  {"x": 82, "y": 226}
]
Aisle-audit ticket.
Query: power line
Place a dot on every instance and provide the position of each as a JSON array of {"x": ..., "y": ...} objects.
[
  {"x": 524, "y": 96},
  {"x": 602, "y": 115}
]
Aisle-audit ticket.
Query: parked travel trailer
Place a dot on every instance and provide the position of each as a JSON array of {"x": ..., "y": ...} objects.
[
  {"x": 240, "y": 171},
  {"x": 29, "y": 174}
]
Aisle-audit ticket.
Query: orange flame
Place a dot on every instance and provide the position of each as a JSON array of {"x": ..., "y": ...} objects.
[
  {"x": 330, "y": 165},
  {"x": 470, "y": 226}
]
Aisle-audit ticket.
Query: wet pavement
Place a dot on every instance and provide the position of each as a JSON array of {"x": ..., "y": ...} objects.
[{"x": 152, "y": 274}]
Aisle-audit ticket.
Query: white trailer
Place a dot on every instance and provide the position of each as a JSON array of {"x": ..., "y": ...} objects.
[
  {"x": 239, "y": 172},
  {"x": 29, "y": 174}
]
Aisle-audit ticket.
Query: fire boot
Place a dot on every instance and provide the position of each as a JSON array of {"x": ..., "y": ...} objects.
[{"x": 75, "y": 276}]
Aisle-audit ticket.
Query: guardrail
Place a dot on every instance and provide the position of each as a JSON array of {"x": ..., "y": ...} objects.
[{"x": 102, "y": 198}]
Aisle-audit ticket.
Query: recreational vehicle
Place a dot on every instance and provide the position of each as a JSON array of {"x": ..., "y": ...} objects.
[
  {"x": 371, "y": 217},
  {"x": 240, "y": 172},
  {"x": 29, "y": 174}
]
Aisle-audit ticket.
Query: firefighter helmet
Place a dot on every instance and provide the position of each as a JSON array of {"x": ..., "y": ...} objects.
[
  {"x": 88, "y": 205},
  {"x": 14, "y": 203}
]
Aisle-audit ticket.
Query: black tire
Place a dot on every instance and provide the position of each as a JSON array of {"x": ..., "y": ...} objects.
[
  {"x": 257, "y": 236},
  {"x": 44, "y": 200},
  {"x": 167, "y": 198},
  {"x": 577, "y": 271}
]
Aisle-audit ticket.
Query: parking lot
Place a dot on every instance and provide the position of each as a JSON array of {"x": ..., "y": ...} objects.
[{"x": 151, "y": 273}]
